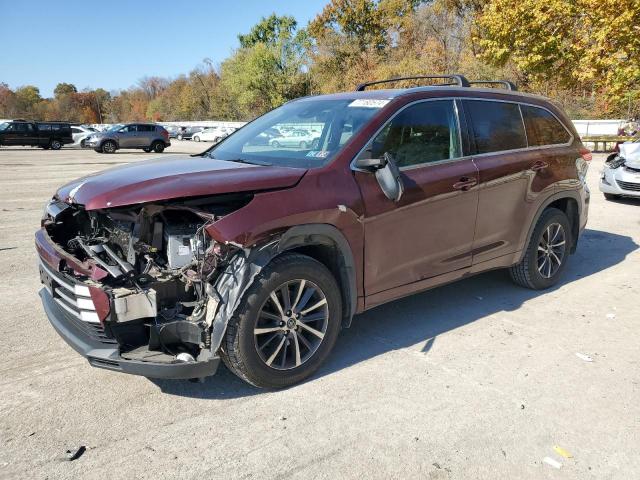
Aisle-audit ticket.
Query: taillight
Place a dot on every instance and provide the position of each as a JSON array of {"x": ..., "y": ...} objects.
[{"x": 585, "y": 153}]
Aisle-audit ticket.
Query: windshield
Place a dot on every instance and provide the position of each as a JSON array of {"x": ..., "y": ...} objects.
[
  {"x": 4, "y": 126},
  {"x": 114, "y": 128},
  {"x": 302, "y": 134}
]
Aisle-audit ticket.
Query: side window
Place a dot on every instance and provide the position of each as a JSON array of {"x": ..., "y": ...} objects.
[
  {"x": 30, "y": 128},
  {"x": 129, "y": 129},
  {"x": 422, "y": 133},
  {"x": 19, "y": 127},
  {"x": 44, "y": 127},
  {"x": 497, "y": 126},
  {"x": 76, "y": 130},
  {"x": 542, "y": 127}
]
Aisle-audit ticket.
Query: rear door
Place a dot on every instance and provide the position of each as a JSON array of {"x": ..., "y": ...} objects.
[
  {"x": 429, "y": 232},
  {"x": 513, "y": 178},
  {"x": 31, "y": 134}
]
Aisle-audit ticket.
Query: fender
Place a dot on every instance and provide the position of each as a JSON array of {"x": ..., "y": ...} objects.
[
  {"x": 328, "y": 235},
  {"x": 573, "y": 194},
  {"x": 231, "y": 285}
]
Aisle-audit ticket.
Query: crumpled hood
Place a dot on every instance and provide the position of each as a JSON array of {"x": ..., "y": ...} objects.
[
  {"x": 174, "y": 176},
  {"x": 630, "y": 151}
]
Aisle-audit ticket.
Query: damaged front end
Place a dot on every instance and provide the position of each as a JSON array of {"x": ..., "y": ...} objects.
[{"x": 135, "y": 289}]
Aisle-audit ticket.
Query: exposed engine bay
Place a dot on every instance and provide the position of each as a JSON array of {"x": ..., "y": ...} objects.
[{"x": 160, "y": 266}]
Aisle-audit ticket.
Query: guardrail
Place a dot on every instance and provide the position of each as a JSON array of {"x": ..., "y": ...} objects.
[{"x": 608, "y": 142}]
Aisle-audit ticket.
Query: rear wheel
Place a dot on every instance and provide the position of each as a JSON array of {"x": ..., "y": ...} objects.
[
  {"x": 547, "y": 252},
  {"x": 611, "y": 196},
  {"x": 196, "y": 138},
  {"x": 55, "y": 144},
  {"x": 303, "y": 145},
  {"x": 109, "y": 146},
  {"x": 158, "y": 147},
  {"x": 286, "y": 325},
  {"x": 275, "y": 144},
  {"x": 179, "y": 137}
]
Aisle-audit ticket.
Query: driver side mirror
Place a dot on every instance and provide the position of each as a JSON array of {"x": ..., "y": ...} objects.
[{"x": 387, "y": 173}]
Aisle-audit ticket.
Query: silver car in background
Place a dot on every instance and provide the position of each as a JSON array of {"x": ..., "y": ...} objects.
[{"x": 146, "y": 136}]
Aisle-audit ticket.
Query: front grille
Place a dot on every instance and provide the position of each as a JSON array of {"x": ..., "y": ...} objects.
[
  {"x": 75, "y": 301},
  {"x": 632, "y": 187}
]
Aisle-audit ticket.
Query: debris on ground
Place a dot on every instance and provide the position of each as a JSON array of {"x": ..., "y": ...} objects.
[
  {"x": 561, "y": 451},
  {"x": 75, "y": 454},
  {"x": 552, "y": 462},
  {"x": 584, "y": 357},
  {"x": 611, "y": 316}
]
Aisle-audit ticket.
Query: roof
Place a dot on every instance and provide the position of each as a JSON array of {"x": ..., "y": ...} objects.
[{"x": 391, "y": 93}]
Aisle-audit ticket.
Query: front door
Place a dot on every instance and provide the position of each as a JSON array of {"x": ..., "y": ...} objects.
[
  {"x": 430, "y": 231},
  {"x": 128, "y": 136}
]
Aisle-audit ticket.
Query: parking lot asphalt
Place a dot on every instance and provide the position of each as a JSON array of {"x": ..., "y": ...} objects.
[{"x": 477, "y": 379}]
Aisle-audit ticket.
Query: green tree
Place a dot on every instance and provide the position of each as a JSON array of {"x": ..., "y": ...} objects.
[
  {"x": 64, "y": 89},
  {"x": 269, "y": 68}
]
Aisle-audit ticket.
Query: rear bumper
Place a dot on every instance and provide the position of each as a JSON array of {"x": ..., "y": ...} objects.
[{"x": 106, "y": 355}]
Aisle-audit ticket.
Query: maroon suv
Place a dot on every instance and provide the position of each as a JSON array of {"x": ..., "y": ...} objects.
[{"x": 258, "y": 254}]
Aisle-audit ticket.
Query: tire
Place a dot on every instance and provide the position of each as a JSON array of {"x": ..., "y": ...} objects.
[
  {"x": 83, "y": 143},
  {"x": 55, "y": 144},
  {"x": 179, "y": 137},
  {"x": 275, "y": 144},
  {"x": 196, "y": 138},
  {"x": 157, "y": 147},
  {"x": 240, "y": 346},
  {"x": 147, "y": 150},
  {"x": 539, "y": 269},
  {"x": 611, "y": 196},
  {"x": 109, "y": 146},
  {"x": 303, "y": 145}
]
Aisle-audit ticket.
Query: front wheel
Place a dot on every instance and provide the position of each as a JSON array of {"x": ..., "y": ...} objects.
[
  {"x": 286, "y": 325},
  {"x": 547, "y": 252},
  {"x": 179, "y": 137},
  {"x": 109, "y": 146},
  {"x": 158, "y": 147},
  {"x": 55, "y": 145},
  {"x": 196, "y": 138}
]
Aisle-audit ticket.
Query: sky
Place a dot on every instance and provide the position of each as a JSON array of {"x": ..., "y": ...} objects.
[{"x": 113, "y": 43}]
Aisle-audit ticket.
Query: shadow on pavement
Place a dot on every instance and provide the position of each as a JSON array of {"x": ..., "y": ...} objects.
[{"x": 420, "y": 318}]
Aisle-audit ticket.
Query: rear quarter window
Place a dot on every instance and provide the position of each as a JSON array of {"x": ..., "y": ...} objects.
[
  {"x": 543, "y": 128},
  {"x": 495, "y": 126}
]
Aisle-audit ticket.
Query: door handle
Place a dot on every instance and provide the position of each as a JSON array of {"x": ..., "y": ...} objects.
[
  {"x": 465, "y": 184},
  {"x": 539, "y": 165}
]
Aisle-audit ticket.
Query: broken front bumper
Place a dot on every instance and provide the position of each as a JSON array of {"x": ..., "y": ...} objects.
[
  {"x": 78, "y": 313},
  {"x": 106, "y": 354}
]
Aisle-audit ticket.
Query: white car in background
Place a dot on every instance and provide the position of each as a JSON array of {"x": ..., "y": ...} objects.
[
  {"x": 621, "y": 173},
  {"x": 80, "y": 133},
  {"x": 295, "y": 138},
  {"x": 214, "y": 134}
]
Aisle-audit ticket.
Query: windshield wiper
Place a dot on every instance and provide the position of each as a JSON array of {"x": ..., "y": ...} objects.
[{"x": 250, "y": 162}]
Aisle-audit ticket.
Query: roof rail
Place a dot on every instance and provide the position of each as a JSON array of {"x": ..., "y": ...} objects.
[
  {"x": 458, "y": 80},
  {"x": 505, "y": 83}
]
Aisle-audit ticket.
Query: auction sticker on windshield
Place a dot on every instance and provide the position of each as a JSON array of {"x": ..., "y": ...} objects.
[{"x": 368, "y": 103}]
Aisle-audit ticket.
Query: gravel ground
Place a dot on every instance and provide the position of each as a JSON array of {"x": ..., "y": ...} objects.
[{"x": 478, "y": 379}]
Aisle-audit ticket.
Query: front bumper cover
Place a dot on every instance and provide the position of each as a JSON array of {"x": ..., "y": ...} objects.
[
  {"x": 107, "y": 356},
  {"x": 620, "y": 181}
]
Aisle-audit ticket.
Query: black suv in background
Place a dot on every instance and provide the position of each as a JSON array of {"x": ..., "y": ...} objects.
[{"x": 46, "y": 135}]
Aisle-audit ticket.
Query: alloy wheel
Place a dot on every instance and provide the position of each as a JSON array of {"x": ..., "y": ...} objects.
[
  {"x": 291, "y": 324},
  {"x": 551, "y": 250}
]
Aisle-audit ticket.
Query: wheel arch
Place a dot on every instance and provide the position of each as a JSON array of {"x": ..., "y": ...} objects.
[
  {"x": 326, "y": 244},
  {"x": 567, "y": 202}
]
